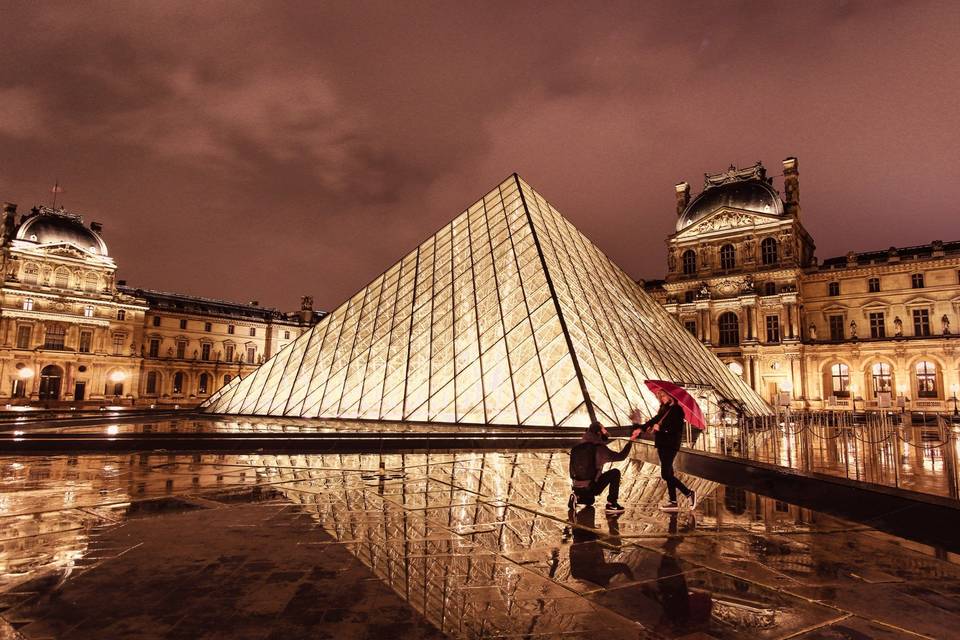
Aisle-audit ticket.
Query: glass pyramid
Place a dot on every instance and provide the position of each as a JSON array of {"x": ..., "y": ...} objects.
[{"x": 507, "y": 315}]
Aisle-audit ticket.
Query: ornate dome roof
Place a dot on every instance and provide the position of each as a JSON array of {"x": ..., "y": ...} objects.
[
  {"x": 745, "y": 189},
  {"x": 50, "y": 226}
]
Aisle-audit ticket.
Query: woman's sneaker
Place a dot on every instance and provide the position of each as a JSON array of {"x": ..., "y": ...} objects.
[
  {"x": 613, "y": 507},
  {"x": 692, "y": 498},
  {"x": 669, "y": 505}
]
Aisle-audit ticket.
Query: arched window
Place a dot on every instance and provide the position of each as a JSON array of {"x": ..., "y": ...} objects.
[
  {"x": 91, "y": 282},
  {"x": 728, "y": 257},
  {"x": 227, "y": 378},
  {"x": 28, "y": 304},
  {"x": 153, "y": 379},
  {"x": 689, "y": 262},
  {"x": 926, "y": 379},
  {"x": 882, "y": 376},
  {"x": 729, "y": 329},
  {"x": 768, "y": 251},
  {"x": 31, "y": 273},
  {"x": 203, "y": 384},
  {"x": 62, "y": 278},
  {"x": 178, "y": 382},
  {"x": 770, "y": 289},
  {"x": 840, "y": 380}
]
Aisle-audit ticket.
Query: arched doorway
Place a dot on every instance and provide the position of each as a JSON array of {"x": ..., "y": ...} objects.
[{"x": 51, "y": 377}]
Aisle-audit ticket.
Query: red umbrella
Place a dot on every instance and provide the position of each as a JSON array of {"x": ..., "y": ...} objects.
[{"x": 691, "y": 410}]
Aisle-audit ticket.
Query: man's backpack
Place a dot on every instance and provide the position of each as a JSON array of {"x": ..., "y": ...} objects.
[{"x": 583, "y": 462}]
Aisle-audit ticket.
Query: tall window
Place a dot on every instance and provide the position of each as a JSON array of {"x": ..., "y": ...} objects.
[
  {"x": 878, "y": 328},
  {"x": 921, "y": 322},
  {"x": 773, "y": 328},
  {"x": 31, "y": 273},
  {"x": 121, "y": 314},
  {"x": 836, "y": 328},
  {"x": 253, "y": 331},
  {"x": 151, "y": 382},
  {"x": 926, "y": 379},
  {"x": 286, "y": 335},
  {"x": 833, "y": 289},
  {"x": 251, "y": 354},
  {"x": 228, "y": 353},
  {"x": 729, "y": 329},
  {"x": 230, "y": 329},
  {"x": 203, "y": 384},
  {"x": 62, "y": 278},
  {"x": 154, "y": 348},
  {"x": 840, "y": 380},
  {"x": 770, "y": 289},
  {"x": 118, "y": 340},
  {"x": 55, "y": 336},
  {"x": 28, "y": 304},
  {"x": 156, "y": 321},
  {"x": 178, "y": 382},
  {"x": 183, "y": 323},
  {"x": 882, "y": 378},
  {"x": 208, "y": 327},
  {"x": 728, "y": 257},
  {"x": 88, "y": 311},
  {"x": 181, "y": 349},
  {"x": 86, "y": 341},
  {"x": 691, "y": 326},
  {"x": 768, "y": 251},
  {"x": 24, "y": 333},
  {"x": 689, "y": 262},
  {"x": 873, "y": 284},
  {"x": 917, "y": 280},
  {"x": 91, "y": 282},
  {"x": 205, "y": 351}
]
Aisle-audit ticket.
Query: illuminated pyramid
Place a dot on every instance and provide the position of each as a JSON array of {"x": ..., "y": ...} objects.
[{"x": 507, "y": 315}]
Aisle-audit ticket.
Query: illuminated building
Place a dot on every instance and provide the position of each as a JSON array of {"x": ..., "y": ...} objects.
[
  {"x": 73, "y": 334},
  {"x": 878, "y": 326},
  {"x": 507, "y": 315}
]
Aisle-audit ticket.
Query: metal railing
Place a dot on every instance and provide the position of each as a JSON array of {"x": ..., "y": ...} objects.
[{"x": 916, "y": 451}]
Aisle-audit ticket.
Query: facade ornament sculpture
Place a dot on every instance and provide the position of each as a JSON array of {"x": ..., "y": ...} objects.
[
  {"x": 813, "y": 331},
  {"x": 853, "y": 329},
  {"x": 945, "y": 321},
  {"x": 897, "y": 327}
]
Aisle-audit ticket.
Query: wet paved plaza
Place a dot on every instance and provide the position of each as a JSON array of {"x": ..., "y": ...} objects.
[{"x": 459, "y": 545}]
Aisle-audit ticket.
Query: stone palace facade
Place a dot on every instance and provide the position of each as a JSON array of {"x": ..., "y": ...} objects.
[
  {"x": 877, "y": 328},
  {"x": 72, "y": 335}
]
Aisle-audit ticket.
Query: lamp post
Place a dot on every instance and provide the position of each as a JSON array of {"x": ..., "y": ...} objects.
[
  {"x": 955, "y": 387},
  {"x": 853, "y": 397},
  {"x": 901, "y": 399}
]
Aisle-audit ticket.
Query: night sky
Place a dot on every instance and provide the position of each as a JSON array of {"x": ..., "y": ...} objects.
[{"x": 264, "y": 151}]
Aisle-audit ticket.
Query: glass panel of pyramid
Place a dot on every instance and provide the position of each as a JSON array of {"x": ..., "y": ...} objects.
[{"x": 507, "y": 315}]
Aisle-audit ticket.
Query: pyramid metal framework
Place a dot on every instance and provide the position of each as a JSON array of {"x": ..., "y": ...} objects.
[{"x": 507, "y": 315}]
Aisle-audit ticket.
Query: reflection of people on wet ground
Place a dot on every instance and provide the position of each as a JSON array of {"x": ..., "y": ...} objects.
[
  {"x": 586, "y": 469},
  {"x": 587, "y": 560},
  {"x": 681, "y": 608}
]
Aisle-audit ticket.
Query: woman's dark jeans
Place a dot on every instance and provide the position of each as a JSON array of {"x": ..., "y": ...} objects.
[{"x": 666, "y": 472}]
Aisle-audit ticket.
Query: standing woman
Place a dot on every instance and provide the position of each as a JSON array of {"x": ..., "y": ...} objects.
[{"x": 668, "y": 432}]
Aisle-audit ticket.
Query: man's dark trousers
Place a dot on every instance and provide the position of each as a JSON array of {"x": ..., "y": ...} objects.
[{"x": 611, "y": 478}]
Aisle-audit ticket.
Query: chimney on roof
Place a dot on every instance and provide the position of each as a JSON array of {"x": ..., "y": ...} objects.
[
  {"x": 8, "y": 222},
  {"x": 683, "y": 197},
  {"x": 306, "y": 310},
  {"x": 254, "y": 303},
  {"x": 96, "y": 227},
  {"x": 791, "y": 186},
  {"x": 121, "y": 283}
]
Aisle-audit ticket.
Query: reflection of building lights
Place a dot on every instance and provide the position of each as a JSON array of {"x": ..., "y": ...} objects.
[
  {"x": 118, "y": 376},
  {"x": 113, "y": 430},
  {"x": 25, "y": 373}
]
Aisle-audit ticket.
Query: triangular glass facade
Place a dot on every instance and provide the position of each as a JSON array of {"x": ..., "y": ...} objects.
[{"x": 507, "y": 315}]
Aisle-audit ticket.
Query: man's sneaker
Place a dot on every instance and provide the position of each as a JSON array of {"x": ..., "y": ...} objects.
[
  {"x": 613, "y": 507},
  {"x": 572, "y": 502},
  {"x": 669, "y": 505},
  {"x": 692, "y": 498}
]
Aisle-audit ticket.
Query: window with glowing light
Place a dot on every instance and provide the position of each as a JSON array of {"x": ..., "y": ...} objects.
[
  {"x": 926, "y": 379},
  {"x": 882, "y": 375},
  {"x": 840, "y": 380}
]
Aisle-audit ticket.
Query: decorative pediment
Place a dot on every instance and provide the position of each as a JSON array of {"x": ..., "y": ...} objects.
[
  {"x": 726, "y": 219},
  {"x": 67, "y": 250}
]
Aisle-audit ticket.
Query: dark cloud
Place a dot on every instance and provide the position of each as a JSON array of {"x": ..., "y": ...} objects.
[{"x": 268, "y": 150}]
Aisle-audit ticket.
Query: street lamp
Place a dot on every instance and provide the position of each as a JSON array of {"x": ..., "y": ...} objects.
[
  {"x": 853, "y": 396},
  {"x": 955, "y": 387},
  {"x": 902, "y": 400},
  {"x": 25, "y": 373},
  {"x": 118, "y": 376}
]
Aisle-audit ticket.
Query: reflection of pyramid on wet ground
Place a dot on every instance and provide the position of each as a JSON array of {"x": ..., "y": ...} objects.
[{"x": 507, "y": 315}]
